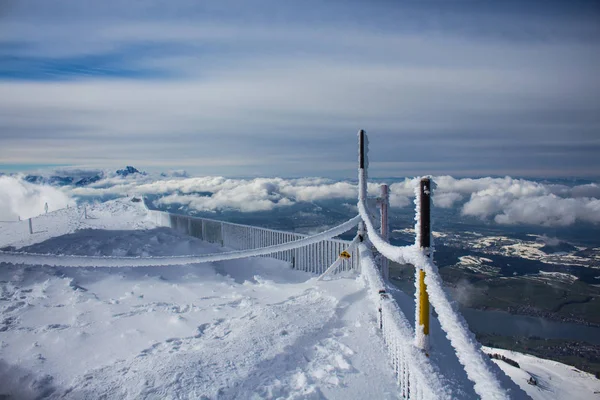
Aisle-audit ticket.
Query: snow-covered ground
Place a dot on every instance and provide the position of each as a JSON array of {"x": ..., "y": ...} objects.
[
  {"x": 554, "y": 380},
  {"x": 241, "y": 329}
]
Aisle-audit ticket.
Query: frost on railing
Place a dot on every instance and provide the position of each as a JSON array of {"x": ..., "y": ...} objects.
[
  {"x": 314, "y": 256},
  {"x": 489, "y": 381},
  {"x": 309, "y": 253},
  {"x": 416, "y": 377}
]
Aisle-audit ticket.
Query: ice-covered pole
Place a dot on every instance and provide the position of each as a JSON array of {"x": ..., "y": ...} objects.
[
  {"x": 363, "y": 163},
  {"x": 384, "y": 203},
  {"x": 424, "y": 243}
]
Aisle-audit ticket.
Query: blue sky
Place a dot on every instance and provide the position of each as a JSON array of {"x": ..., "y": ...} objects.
[{"x": 273, "y": 88}]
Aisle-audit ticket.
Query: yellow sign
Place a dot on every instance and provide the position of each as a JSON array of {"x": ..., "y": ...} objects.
[{"x": 345, "y": 254}]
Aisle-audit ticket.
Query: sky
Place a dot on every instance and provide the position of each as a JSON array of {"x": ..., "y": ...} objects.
[{"x": 275, "y": 88}]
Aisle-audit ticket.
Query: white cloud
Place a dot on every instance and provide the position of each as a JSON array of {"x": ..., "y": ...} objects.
[
  {"x": 518, "y": 201},
  {"x": 505, "y": 200},
  {"x": 22, "y": 199},
  {"x": 446, "y": 200},
  {"x": 549, "y": 210},
  {"x": 255, "y": 195},
  {"x": 282, "y": 81},
  {"x": 214, "y": 193}
]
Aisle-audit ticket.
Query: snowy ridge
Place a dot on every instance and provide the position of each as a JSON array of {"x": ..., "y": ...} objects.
[{"x": 94, "y": 261}]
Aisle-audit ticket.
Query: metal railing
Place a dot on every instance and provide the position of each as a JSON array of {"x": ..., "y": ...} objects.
[
  {"x": 417, "y": 377},
  {"x": 315, "y": 258}
]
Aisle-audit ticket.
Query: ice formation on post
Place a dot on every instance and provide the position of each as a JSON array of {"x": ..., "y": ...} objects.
[{"x": 485, "y": 375}]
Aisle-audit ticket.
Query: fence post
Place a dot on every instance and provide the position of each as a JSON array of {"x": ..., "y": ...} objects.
[
  {"x": 222, "y": 235},
  {"x": 362, "y": 163},
  {"x": 384, "y": 229},
  {"x": 30, "y": 227},
  {"x": 422, "y": 331}
]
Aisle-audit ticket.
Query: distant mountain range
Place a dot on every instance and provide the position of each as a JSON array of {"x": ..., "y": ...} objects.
[{"x": 82, "y": 179}]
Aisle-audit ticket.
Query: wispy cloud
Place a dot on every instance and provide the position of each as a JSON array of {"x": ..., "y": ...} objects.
[
  {"x": 20, "y": 199},
  {"x": 278, "y": 89},
  {"x": 506, "y": 201}
]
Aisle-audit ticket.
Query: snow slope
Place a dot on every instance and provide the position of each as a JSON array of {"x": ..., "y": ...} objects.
[
  {"x": 244, "y": 329},
  {"x": 554, "y": 380},
  {"x": 240, "y": 329}
]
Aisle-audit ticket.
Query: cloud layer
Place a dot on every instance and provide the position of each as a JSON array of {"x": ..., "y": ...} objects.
[
  {"x": 502, "y": 200},
  {"x": 20, "y": 199},
  {"x": 506, "y": 201},
  {"x": 511, "y": 201}
]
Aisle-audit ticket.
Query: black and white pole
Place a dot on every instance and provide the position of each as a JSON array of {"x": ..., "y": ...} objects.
[
  {"x": 362, "y": 165},
  {"x": 384, "y": 203},
  {"x": 422, "y": 329}
]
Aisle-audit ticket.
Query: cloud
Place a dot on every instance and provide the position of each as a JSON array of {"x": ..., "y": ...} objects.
[
  {"x": 506, "y": 201},
  {"x": 549, "y": 210},
  {"x": 587, "y": 190},
  {"x": 217, "y": 193},
  {"x": 517, "y": 201},
  {"x": 22, "y": 199},
  {"x": 255, "y": 195},
  {"x": 446, "y": 200},
  {"x": 511, "y": 201},
  {"x": 233, "y": 90}
]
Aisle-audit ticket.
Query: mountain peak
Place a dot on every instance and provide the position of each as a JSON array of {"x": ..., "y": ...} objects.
[{"x": 129, "y": 170}]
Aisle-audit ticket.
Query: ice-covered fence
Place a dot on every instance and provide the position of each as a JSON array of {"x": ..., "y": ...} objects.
[
  {"x": 314, "y": 257},
  {"x": 489, "y": 381},
  {"x": 59, "y": 260},
  {"x": 417, "y": 378}
]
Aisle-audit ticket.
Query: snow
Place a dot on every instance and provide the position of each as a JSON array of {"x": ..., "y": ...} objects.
[
  {"x": 250, "y": 328},
  {"x": 111, "y": 215},
  {"x": 556, "y": 276},
  {"x": 478, "y": 265},
  {"x": 554, "y": 380}
]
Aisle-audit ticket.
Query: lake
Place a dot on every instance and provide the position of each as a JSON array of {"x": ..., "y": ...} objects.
[{"x": 506, "y": 324}]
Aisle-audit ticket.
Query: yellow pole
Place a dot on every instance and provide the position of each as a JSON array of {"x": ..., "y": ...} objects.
[
  {"x": 425, "y": 244},
  {"x": 423, "y": 303}
]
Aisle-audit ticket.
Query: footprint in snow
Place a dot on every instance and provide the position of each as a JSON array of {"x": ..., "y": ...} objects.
[
  {"x": 201, "y": 329},
  {"x": 14, "y": 306},
  {"x": 55, "y": 327}
]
